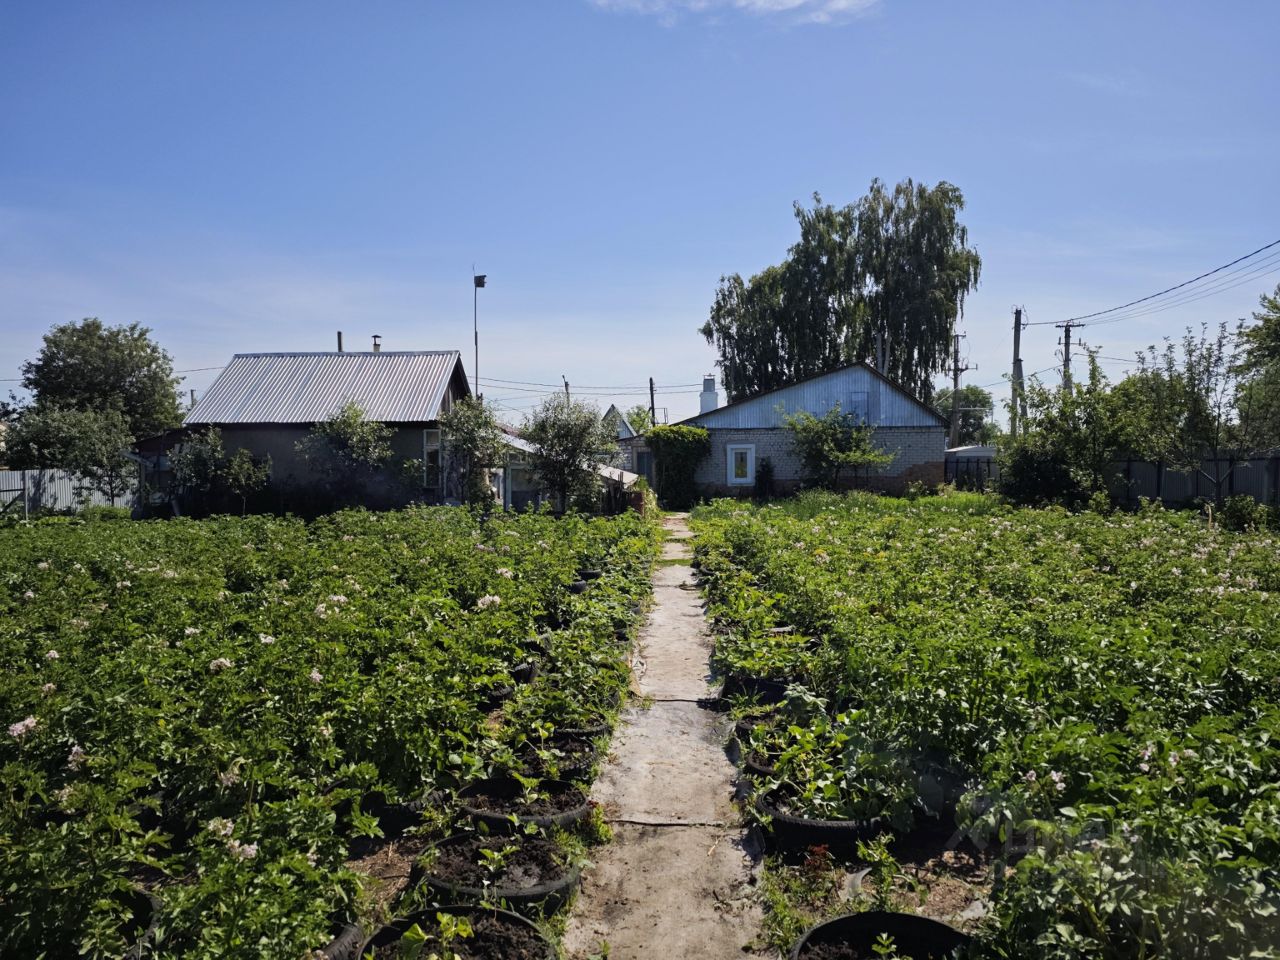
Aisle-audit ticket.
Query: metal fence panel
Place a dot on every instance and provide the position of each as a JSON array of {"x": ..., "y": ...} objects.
[{"x": 49, "y": 491}]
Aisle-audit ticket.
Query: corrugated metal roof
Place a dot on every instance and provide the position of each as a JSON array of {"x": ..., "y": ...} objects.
[
  {"x": 858, "y": 388},
  {"x": 390, "y": 387}
]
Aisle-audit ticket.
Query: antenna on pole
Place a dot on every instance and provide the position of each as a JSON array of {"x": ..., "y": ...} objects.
[{"x": 477, "y": 281}]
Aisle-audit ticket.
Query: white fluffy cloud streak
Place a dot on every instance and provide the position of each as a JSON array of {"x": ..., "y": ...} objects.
[{"x": 805, "y": 11}]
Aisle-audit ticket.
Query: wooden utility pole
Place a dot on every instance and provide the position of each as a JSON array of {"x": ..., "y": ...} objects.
[
  {"x": 653, "y": 411},
  {"x": 1016, "y": 398},
  {"x": 566, "y": 385},
  {"x": 956, "y": 370},
  {"x": 1066, "y": 329}
]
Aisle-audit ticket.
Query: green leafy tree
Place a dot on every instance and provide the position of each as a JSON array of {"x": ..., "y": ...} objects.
[
  {"x": 829, "y": 445},
  {"x": 569, "y": 439},
  {"x": 1260, "y": 343},
  {"x": 197, "y": 464},
  {"x": 1066, "y": 453},
  {"x": 677, "y": 451},
  {"x": 244, "y": 475},
  {"x": 1200, "y": 408},
  {"x": 347, "y": 452},
  {"x": 976, "y": 405},
  {"x": 1258, "y": 393},
  {"x": 91, "y": 444},
  {"x": 639, "y": 418},
  {"x": 476, "y": 444},
  {"x": 90, "y": 366},
  {"x": 882, "y": 280}
]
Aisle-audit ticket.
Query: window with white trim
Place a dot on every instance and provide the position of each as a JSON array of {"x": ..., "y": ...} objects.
[{"x": 741, "y": 461}]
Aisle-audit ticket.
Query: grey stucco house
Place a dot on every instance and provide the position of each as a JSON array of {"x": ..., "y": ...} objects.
[{"x": 747, "y": 431}]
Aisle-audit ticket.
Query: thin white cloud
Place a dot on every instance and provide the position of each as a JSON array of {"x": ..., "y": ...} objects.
[{"x": 802, "y": 11}]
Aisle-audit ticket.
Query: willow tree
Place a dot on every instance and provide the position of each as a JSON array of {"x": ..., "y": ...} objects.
[{"x": 882, "y": 280}]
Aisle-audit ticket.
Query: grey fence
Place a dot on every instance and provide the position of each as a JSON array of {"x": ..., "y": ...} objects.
[
  {"x": 1257, "y": 477},
  {"x": 24, "y": 492}
]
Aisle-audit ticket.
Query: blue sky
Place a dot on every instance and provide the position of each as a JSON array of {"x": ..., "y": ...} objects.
[{"x": 243, "y": 176}]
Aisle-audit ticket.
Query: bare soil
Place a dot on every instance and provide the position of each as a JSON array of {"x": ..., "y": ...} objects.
[
  {"x": 491, "y": 939},
  {"x": 532, "y": 863},
  {"x": 388, "y": 865}
]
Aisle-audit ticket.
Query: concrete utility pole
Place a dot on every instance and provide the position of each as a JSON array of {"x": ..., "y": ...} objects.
[
  {"x": 1066, "y": 329},
  {"x": 566, "y": 385},
  {"x": 653, "y": 411},
  {"x": 1016, "y": 398},
  {"x": 956, "y": 370}
]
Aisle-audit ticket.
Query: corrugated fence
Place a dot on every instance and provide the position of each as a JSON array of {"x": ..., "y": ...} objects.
[
  {"x": 1257, "y": 477},
  {"x": 50, "y": 490}
]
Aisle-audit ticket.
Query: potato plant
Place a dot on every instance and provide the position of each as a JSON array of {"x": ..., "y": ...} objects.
[
  {"x": 1096, "y": 696},
  {"x": 201, "y": 710}
]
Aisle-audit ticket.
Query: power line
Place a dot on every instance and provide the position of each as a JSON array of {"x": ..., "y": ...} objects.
[
  {"x": 1178, "y": 286},
  {"x": 1229, "y": 282}
]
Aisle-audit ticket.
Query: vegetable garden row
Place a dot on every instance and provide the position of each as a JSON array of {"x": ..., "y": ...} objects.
[
  {"x": 210, "y": 724},
  {"x": 1092, "y": 700}
]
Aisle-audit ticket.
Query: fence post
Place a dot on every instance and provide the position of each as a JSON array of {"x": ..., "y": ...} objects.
[{"x": 26, "y": 498}]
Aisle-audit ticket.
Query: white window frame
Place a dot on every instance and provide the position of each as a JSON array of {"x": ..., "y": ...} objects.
[{"x": 732, "y": 448}]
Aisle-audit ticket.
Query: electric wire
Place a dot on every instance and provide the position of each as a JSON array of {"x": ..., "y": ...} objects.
[{"x": 1167, "y": 290}]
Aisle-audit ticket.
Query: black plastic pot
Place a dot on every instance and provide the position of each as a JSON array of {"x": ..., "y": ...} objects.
[
  {"x": 547, "y": 896},
  {"x": 505, "y": 789},
  {"x": 793, "y": 834},
  {"x": 426, "y": 919},
  {"x": 578, "y": 586},
  {"x": 590, "y": 574},
  {"x": 918, "y": 938}
]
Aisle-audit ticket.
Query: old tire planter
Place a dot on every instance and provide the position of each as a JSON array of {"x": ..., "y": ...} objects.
[
  {"x": 590, "y": 574},
  {"x": 794, "y": 834},
  {"x": 916, "y": 937},
  {"x": 426, "y": 919},
  {"x": 509, "y": 789},
  {"x": 578, "y": 587},
  {"x": 549, "y": 895},
  {"x": 345, "y": 945},
  {"x": 761, "y": 689},
  {"x": 754, "y": 768},
  {"x": 146, "y": 911}
]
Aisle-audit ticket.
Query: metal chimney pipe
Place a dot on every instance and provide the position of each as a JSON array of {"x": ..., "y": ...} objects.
[
  {"x": 377, "y": 345},
  {"x": 339, "y": 341}
]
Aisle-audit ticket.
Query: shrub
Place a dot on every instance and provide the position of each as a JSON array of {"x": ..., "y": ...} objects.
[{"x": 677, "y": 451}]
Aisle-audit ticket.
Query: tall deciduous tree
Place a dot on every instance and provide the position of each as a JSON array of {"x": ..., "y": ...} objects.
[
  {"x": 569, "y": 437},
  {"x": 882, "y": 280},
  {"x": 90, "y": 366},
  {"x": 976, "y": 425}
]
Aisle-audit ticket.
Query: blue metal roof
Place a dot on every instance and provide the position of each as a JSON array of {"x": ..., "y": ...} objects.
[{"x": 389, "y": 386}]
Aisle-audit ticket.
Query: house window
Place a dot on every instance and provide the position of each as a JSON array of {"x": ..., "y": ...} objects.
[{"x": 741, "y": 459}]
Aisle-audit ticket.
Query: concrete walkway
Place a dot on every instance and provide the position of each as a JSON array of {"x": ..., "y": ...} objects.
[{"x": 675, "y": 881}]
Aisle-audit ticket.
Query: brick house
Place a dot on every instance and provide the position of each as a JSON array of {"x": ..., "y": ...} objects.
[{"x": 747, "y": 431}]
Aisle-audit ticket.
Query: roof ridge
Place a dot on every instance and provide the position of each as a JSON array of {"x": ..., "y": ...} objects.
[{"x": 344, "y": 353}]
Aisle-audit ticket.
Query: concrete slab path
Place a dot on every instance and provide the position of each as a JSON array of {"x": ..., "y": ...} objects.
[{"x": 676, "y": 881}]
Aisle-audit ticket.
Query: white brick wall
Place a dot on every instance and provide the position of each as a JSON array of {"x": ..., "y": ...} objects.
[{"x": 918, "y": 451}]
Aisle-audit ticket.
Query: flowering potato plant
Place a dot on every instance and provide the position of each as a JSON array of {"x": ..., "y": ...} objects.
[
  {"x": 195, "y": 709},
  {"x": 1104, "y": 691}
]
